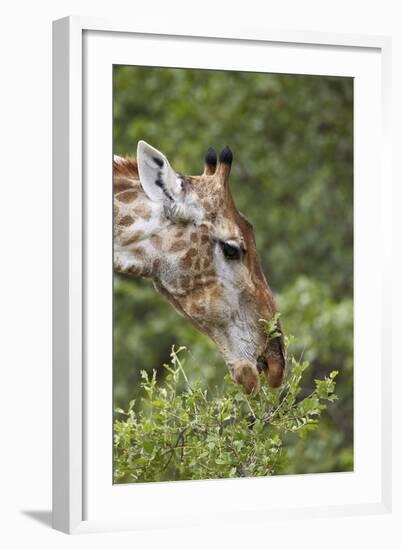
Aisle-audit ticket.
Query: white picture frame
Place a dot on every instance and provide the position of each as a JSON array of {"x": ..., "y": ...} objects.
[{"x": 83, "y": 49}]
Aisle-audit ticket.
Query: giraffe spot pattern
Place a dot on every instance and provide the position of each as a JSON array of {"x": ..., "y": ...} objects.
[
  {"x": 185, "y": 281},
  {"x": 126, "y": 220},
  {"x": 178, "y": 245},
  {"x": 197, "y": 309},
  {"x": 121, "y": 184},
  {"x": 127, "y": 196},
  {"x": 142, "y": 212},
  {"x": 186, "y": 261}
]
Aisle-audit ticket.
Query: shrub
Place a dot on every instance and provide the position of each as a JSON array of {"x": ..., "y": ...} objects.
[{"x": 186, "y": 433}]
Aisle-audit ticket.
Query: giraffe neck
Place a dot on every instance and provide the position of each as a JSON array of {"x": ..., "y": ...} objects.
[{"x": 138, "y": 222}]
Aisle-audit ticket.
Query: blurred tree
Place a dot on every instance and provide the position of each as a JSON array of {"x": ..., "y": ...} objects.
[{"x": 292, "y": 138}]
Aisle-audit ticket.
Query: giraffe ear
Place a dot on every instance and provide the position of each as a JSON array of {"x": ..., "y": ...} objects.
[{"x": 158, "y": 179}]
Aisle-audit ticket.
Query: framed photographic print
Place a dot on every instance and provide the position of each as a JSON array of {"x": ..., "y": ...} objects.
[{"x": 220, "y": 298}]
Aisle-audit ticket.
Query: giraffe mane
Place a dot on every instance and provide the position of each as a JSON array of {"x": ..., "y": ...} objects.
[
  {"x": 125, "y": 174},
  {"x": 125, "y": 167}
]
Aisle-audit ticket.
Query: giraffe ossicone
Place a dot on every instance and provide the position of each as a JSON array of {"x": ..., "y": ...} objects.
[{"x": 186, "y": 234}]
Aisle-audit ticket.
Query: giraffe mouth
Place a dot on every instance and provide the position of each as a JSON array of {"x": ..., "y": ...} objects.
[
  {"x": 272, "y": 362},
  {"x": 261, "y": 364}
]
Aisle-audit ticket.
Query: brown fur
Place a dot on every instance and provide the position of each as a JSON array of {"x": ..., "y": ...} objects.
[
  {"x": 178, "y": 245},
  {"x": 142, "y": 211},
  {"x": 127, "y": 196},
  {"x": 125, "y": 167},
  {"x": 186, "y": 261},
  {"x": 121, "y": 184},
  {"x": 126, "y": 220}
]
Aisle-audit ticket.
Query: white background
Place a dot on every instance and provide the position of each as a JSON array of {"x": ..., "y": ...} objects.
[
  {"x": 25, "y": 290},
  {"x": 220, "y": 499}
]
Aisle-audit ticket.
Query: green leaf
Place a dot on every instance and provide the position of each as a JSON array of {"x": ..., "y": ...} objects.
[{"x": 184, "y": 432}]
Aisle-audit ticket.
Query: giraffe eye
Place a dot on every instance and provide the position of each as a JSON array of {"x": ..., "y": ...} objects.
[{"x": 230, "y": 251}]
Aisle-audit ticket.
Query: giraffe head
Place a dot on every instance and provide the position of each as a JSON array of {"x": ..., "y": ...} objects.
[{"x": 186, "y": 234}]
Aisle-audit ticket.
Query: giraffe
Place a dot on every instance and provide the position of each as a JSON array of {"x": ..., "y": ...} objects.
[{"x": 186, "y": 234}]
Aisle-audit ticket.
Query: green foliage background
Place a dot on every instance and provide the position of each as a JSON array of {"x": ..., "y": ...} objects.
[{"x": 292, "y": 139}]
